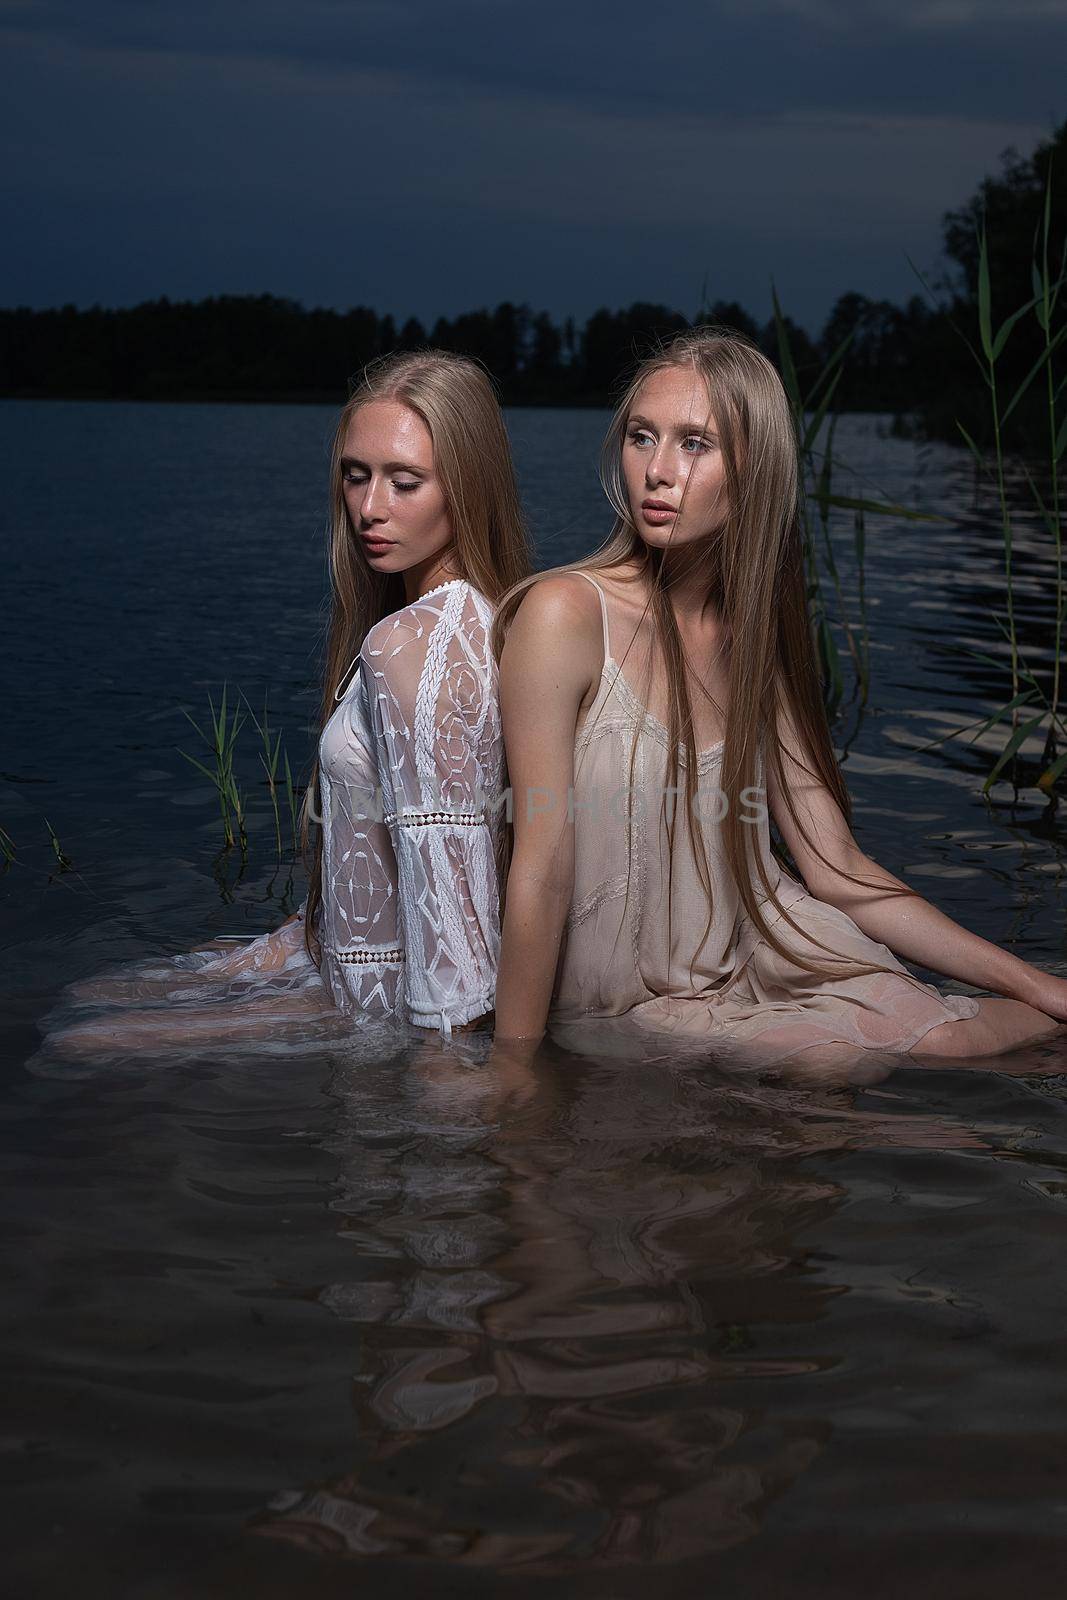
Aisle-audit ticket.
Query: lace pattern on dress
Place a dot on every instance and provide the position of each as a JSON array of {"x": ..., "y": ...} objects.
[
  {"x": 592, "y": 902},
  {"x": 428, "y": 692}
]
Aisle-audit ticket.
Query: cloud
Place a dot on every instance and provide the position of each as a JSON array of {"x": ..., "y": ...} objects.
[
  {"x": 425, "y": 157},
  {"x": 733, "y": 56},
  {"x": 906, "y": 15}
]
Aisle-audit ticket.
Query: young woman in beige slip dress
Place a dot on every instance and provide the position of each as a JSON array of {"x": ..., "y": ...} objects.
[
  {"x": 616, "y": 960},
  {"x": 610, "y": 912}
]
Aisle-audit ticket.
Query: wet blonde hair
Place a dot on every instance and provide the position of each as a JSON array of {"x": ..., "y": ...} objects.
[
  {"x": 752, "y": 569},
  {"x": 454, "y": 397}
]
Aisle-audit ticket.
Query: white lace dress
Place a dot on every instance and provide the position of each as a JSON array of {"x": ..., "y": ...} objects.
[{"x": 411, "y": 768}]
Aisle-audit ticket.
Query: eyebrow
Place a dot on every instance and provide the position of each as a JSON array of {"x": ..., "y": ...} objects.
[
  {"x": 388, "y": 466},
  {"x": 635, "y": 419}
]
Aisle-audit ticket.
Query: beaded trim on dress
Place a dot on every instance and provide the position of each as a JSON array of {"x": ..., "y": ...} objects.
[
  {"x": 418, "y": 819},
  {"x": 367, "y": 958}
]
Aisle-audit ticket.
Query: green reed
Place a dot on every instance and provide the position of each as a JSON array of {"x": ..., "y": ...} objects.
[
  {"x": 269, "y": 757},
  {"x": 65, "y": 863},
  {"x": 294, "y": 806},
  {"x": 221, "y": 745},
  {"x": 812, "y": 408},
  {"x": 1046, "y": 296},
  {"x": 221, "y": 733},
  {"x": 1034, "y": 700}
]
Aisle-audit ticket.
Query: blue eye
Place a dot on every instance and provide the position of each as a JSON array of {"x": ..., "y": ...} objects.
[
  {"x": 701, "y": 445},
  {"x": 636, "y": 435}
]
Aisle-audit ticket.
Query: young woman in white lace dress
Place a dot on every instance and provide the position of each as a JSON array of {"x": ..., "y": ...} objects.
[
  {"x": 401, "y": 921},
  {"x": 661, "y": 698}
]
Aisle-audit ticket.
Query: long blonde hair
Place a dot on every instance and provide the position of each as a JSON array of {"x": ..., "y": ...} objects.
[
  {"x": 752, "y": 569},
  {"x": 455, "y": 398}
]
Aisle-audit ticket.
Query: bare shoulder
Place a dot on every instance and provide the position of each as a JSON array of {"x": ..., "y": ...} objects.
[
  {"x": 555, "y": 635},
  {"x": 559, "y": 610}
]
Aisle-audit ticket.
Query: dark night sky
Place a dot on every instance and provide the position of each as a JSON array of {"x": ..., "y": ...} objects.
[{"x": 425, "y": 157}]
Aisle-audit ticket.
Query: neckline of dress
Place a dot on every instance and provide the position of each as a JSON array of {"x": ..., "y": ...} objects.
[
  {"x": 436, "y": 589},
  {"x": 351, "y": 676},
  {"x": 712, "y": 749}
]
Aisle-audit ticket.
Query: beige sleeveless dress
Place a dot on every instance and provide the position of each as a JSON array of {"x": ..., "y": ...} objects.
[{"x": 615, "y": 960}]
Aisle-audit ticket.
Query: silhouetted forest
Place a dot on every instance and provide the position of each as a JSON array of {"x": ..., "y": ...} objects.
[{"x": 909, "y": 360}]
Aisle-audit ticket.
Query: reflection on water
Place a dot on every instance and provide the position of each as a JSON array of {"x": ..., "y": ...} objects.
[
  {"x": 334, "y": 1312},
  {"x": 570, "y": 1328},
  {"x": 585, "y": 1322}
]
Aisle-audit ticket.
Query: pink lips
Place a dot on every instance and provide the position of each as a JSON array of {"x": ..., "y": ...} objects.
[
  {"x": 376, "y": 547},
  {"x": 656, "y": 513}
]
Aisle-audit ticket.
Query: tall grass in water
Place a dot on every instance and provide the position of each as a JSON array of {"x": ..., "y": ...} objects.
[
  {"x": 269, "y": 756},
  {"x": 1034, "y": 701},
  {"x": 221, "y": 745},
  {"x": 222, "y": 742},
  {"x": 65, "y": 863},
  {"x": 1046, "y": 296},
  {"x": 294, "y": 807},
  {"x": 812, "y": 408}
]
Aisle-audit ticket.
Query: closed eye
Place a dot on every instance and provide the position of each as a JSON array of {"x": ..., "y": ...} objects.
[{"x": 355, "y": 476}]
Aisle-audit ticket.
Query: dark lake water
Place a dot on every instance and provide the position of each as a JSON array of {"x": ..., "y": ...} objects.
[{"x": 350, "y": 1320}]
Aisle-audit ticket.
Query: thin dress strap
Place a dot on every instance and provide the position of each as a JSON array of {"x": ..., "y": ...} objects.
[{"x": 603, "y": 613}]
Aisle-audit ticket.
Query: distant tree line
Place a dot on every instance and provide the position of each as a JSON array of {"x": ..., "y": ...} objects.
[
  {"x": 255, "y": 347},
  {"x": 907, "y": 359}
]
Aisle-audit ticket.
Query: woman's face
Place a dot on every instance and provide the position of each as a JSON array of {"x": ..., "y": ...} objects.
[
  {"x": 671, "y": 447},
  {"x": 396, "y": 504}
]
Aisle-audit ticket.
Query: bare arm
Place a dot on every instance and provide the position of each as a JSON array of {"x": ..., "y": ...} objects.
[
  {"x": 550, "y": 660},
  {"x": 910, "y": 926}
]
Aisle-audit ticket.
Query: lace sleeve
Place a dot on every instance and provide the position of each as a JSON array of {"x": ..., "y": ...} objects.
[{"x": 430, "y": 681}]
